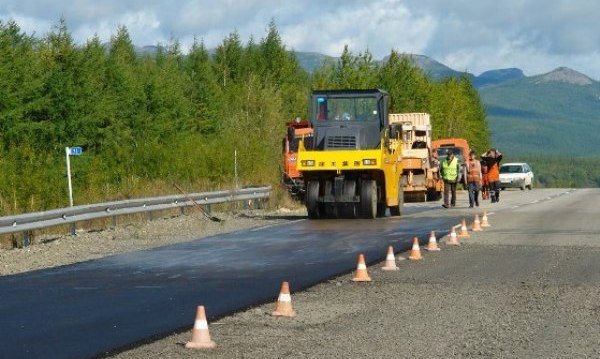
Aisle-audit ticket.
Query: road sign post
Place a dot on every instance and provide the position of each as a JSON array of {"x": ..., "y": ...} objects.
[
  {"x": 235, "y": 171},
  {"x": 71, "y": 151}
]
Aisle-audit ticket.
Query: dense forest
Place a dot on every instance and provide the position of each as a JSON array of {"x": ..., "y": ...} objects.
[{"x": 148, "y": 122}]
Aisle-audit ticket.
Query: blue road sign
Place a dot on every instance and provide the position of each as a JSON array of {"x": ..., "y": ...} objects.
[{"x": 75, "y": 151}]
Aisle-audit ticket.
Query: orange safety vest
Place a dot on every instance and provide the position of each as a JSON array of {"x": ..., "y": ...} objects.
[
  {"x": 493, "y": 174},
  {"x": 474, "y": 172}
]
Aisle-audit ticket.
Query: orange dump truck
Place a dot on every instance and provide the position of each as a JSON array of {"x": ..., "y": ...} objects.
[
  {"x": 291, "y": 178},
  {"x": 460, "y": 148},
  {"x": 420, "y": 173}
]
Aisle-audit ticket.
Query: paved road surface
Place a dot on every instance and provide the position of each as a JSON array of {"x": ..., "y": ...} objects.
[
  {"x": 528, "y": 287},
  {"x": 94, "y": 307}
]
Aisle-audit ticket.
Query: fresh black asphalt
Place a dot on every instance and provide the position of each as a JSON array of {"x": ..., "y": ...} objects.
[{"x": 96, "y": 307}]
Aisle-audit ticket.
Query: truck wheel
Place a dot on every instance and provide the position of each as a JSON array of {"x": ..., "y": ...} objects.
[
  {"x": 433, "y": 195},
  {"x": 368, "y": 199},
  {"x": 349, "y": 210},
  {"x": 397, "y": 210},
  {"x": 312, "y": 199},
  {"x": 328, "y": 209}
]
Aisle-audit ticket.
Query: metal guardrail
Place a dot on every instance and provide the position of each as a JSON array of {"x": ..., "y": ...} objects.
[{"x": 71, "y": 215}]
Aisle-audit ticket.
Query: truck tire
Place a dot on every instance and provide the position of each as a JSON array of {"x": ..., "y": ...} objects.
[
  {"x": 349, "y": 210},
  {"x": 328, "y": 210},
  {"x": 368, "y": 199},
  {"x": 312, "y": 199},
  {"x": 397, "y": 210}
]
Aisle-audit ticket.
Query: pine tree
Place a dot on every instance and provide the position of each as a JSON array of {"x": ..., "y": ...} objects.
[
  {"x": 228, "y": 59},
  {"x": 205, "y": 94}
]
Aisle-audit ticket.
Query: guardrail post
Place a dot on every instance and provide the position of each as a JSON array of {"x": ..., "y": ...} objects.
[
  {"x": 208, "y": 209},
  {"x": 26, "y": 239},
  {"x": 149, "y": 216},
  {"x": 114, "y": 222},
  {"x": 72, "y": 229},
  {"x": 182, "y": 209}
]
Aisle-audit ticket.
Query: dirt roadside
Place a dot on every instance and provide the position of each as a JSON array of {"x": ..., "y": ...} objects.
[{"x": 484, "y": 299}]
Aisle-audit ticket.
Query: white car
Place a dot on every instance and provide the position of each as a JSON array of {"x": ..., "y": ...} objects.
[{"x": 516, "y": 175}]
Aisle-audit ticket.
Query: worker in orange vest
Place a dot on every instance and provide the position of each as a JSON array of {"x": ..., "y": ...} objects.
[
  {"x": 473, "y": 179},
  {"x": 492, "y": 158},
  {"x": 485, "y": 185}
]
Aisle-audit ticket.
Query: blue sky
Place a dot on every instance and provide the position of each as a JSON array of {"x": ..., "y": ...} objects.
[{"x": 534, "y": 35}]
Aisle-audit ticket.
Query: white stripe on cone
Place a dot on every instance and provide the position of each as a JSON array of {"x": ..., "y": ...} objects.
[
  {"x": 361, "y": 266},
  {"x": 200, "y": 324},
  {"x": 284, "y": 297}
]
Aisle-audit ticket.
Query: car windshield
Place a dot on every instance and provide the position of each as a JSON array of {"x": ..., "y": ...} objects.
[
  {"x": 347, "y": 109},
  {"x": 442, "y": 153},
  {"x": 511, "y": 169}
]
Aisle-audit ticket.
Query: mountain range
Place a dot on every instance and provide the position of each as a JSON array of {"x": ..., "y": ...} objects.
[{"x": 556, "y": 113}]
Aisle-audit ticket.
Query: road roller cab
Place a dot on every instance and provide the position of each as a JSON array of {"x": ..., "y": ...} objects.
[{"x": 352, "y": 166}]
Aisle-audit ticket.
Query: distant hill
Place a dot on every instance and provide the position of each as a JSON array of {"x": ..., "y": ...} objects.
[
  {"x": 557, "y": 113},
  {"x": 494, "y": 77},
  {"x": 310, "y": 61},
  {"x": 434, "y": 69}
]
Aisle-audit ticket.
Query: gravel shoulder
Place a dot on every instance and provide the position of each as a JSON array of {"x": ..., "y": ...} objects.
[{"x": 504, "y": 293}]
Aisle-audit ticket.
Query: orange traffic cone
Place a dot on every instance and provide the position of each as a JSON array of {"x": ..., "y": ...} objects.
[
  {"x": 200, "y": 335},
  {"x": 452, "y": 239},
  {"x": 476, "y": 224},
  {"x": 361, "y": 274},
  {"x": 484, "y": 220},
  {"x": 464, "y": 232},
  {"x": 284, "y": 303},
  {"x": 390, "y": 260},
  {"x": 432, "y": 245},
  {"x": 415, "y": 252}
]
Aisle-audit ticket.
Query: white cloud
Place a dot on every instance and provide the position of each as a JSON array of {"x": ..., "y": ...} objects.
[
  {"x": 535, "y": 35},
  {"x": 379, "y": 26}
]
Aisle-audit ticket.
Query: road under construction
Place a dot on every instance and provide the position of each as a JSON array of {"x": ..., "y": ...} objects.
[{"x": 107, "y": 305}]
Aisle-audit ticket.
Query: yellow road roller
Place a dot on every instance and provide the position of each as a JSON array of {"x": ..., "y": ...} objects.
[{"x": 353, "y": 165}]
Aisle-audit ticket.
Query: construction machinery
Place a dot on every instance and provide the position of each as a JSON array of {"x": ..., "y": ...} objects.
[
  {"x": 460, "y": 148},
  {"x": 420, "y": 171},
  {"x": 291, "y": 178},
  {"x": 353, "y": 166}
]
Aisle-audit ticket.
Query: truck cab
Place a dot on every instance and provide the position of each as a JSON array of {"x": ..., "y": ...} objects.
[
  {"x": 291, "y": 177},
  {"x": 460, "y": 148}
]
